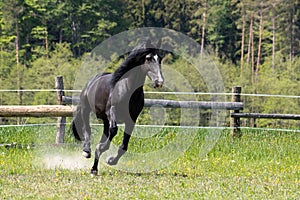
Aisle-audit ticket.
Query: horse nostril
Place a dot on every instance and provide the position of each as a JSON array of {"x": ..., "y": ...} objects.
[{"x": 157, "y": 84}]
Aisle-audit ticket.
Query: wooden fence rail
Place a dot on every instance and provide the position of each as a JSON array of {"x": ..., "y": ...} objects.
[
  {"x": 37, "y": 111},
  {"x": 176, "y": 104},
  {"x": 65, "y": 109},
  {"x": 265, "y": 116}
]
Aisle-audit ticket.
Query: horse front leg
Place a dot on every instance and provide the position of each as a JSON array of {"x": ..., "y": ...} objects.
[{"x": 113, "y": 160}]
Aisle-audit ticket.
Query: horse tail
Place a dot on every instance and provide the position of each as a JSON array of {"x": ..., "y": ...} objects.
[{"x": 76, "y": 125}]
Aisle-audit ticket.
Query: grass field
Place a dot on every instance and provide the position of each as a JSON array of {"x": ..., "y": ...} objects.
[{"x": 260, "y": 165}]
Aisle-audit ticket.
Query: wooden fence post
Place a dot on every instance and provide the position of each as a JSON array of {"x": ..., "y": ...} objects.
[
  {"x": 235, "y": 122},
  {"x": 61, "y": 121}
]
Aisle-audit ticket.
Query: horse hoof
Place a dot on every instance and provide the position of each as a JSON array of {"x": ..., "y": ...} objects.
[
  {"x": 111, "y": 160},
  {"x": 86, "y": 154},
  {"x": 94, "y": 172}
]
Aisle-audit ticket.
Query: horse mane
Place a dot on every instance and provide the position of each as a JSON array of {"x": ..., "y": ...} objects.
[{"x": 134, "y": 59}]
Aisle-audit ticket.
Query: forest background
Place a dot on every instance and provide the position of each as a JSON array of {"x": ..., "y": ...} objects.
[{"x": 255, "y": 44}]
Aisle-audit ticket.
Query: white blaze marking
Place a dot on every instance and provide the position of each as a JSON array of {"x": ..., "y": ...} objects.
[{"x": 156, "y": 58}]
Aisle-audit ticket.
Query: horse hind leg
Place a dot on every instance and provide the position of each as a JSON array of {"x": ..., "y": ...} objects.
[
  {"x": 101, "y": 147},
  {"x": 109, "y": 132},
  {"x": 85, "y": 113}
]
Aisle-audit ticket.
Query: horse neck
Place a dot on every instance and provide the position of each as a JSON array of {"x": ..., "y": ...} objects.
[
  {"x": 136, "y": 77},
  {"x": 127, "y": 85},
  {"x": 124, "y": 70}
]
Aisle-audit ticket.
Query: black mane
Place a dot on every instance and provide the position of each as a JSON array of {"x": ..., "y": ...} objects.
[{"x": 135, "y": 58}]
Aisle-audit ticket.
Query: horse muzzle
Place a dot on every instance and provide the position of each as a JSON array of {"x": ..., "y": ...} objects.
[{"x": 158, "y": 84}]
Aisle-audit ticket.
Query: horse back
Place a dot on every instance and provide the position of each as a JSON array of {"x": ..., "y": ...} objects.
[{"x": 96, "y": 93}]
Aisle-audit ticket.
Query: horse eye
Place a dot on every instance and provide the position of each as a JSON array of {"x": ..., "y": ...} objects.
[
  {"x": 148, "y": 58},
  {"x": 161, "y": 54}
]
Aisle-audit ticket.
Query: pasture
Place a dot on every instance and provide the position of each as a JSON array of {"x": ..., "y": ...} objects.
[{"x": 260, "y": 165}]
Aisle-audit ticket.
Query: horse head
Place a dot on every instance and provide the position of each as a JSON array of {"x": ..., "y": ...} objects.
[{"x": 152, "y": 64}]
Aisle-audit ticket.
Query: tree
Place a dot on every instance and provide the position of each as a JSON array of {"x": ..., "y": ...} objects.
[
  {"x": 42, "y": 11},
  {"x": 203, "y": 25},
  {"x": 91, "y": 22},
  {"x": 42, "y": 72},
  {"x": 7, "y": 59},
  {"x": 12, "y": 12},
  {"x": 221, "y": 29}
]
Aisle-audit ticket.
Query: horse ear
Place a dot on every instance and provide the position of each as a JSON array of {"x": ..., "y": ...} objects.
[
  {"x": 160, "y": 51},
  {"x": 159, "y": 43},
  {"x": 148, "y": 44}
]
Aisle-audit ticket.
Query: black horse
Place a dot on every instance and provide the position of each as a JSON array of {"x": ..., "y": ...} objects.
[{"x": 117, "y": 98}]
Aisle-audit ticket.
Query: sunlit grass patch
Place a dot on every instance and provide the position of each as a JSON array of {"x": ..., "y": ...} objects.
[{"x": 260, "y": 165}]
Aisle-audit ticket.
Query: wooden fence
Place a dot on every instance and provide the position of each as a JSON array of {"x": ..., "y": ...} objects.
[{"x": 65, "y": 109}]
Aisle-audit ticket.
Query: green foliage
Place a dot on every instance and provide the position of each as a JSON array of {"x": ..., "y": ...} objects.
[
  {"x": 280, "y": 81},
  {"x": 221, "y": 30},
  {"x": 42, "y": 39},
  {"x": 43, "y": 71}
]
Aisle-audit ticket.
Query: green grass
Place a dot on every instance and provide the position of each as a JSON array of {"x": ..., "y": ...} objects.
[{"x": 260, "y": 165}]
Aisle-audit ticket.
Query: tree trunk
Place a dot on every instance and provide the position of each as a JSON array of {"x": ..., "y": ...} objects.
[
  {"x": 252, "y": 121},
  {"x": 250, "y": 39},
  {"x": 259, "y": 45},
  {"x": 203, "y": 27},
  {"x": 292, "y": 30},
  {"x": 242, "y": 46},
  {"x": 60, "y": 36},
  {"x": 252, "y": 52},
  {"x": 143, "y": 14},
  {"x": 18, "y": 68},
  {"x": 46, "y": 42},
  {"x": 274, "y": 35}
]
